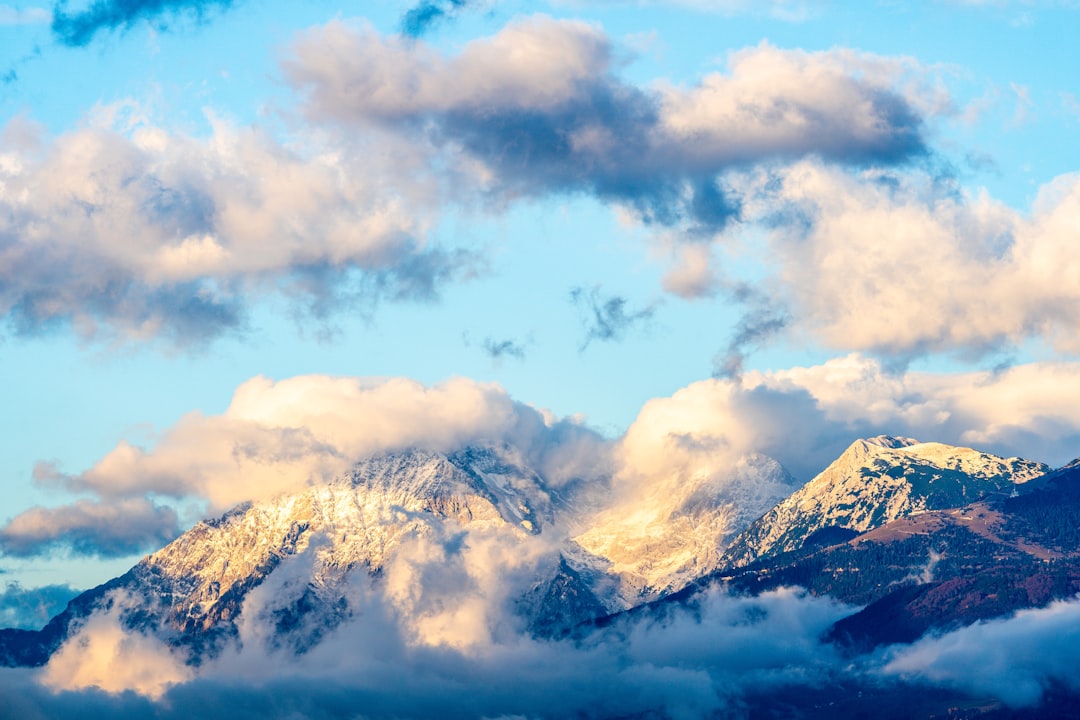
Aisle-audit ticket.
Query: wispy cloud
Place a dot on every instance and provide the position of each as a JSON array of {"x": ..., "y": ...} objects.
[
  {"x": 427, "y": 13},
  {"x": 498, "y": 349},
  {"x": 606, "y": 318},
  {"x": 78, "y": 28}
]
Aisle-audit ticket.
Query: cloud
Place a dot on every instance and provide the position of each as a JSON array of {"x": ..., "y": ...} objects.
[
  {"x": 806, "y": 416},
  {"x": 30, "y": 609},
  {"x": 688, "y": 663},
  {"x": 420, "y": 18},
  {"x": 538, "y": 110},
  {"x": 1015, "y": 659},
  {"x": 85, "y": 527},
  {"x": 759, "y": 323},
  {"x": 124, "y": 231},
  {"x": 77, "y": 29},
  {"x": 498, "y": 349},
  {"x": 106, "y": 655},
  {"x": 606, "y": 318},
  {"x": 284, "y": 436},
  {"x": 280, "y": 436},
  {"x": 905, "y": 264}
]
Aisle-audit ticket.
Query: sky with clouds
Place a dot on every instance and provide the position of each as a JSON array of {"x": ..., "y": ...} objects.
[{"x": 245, "y": 242}]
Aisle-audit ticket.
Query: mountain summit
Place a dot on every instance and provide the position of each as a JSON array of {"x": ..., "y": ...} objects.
[{"x": 874, "y": 481}]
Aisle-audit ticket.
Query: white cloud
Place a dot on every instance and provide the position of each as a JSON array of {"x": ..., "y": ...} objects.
[
  {"x": 86, "y": 527},
  {"x": 904, "y": 264},
  {"x": 126, "y": 230},
  {"x": 282, "y": 436}
]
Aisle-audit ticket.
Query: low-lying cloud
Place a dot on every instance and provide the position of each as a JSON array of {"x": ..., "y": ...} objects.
[
  {"x": 1016, "y": 659},
  {"x": 284, "y": 436}
]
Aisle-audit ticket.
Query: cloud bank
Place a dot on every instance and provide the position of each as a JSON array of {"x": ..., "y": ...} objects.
[
  {"x": 283, "y": 436},
  {"x": 719, "y": 654}
]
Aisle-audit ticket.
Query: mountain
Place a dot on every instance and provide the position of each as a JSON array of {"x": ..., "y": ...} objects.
[
  {"x": 875, "y": 481},
  {"x": 939, "y": 569},
  {"x": 409, "y": 514},
  {"x": 192, "y": 592},
  {"x": 919, "y": 536}
]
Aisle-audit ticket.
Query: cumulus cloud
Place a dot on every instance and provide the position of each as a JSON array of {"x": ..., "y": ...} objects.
[
  {"x": 78, "y": 28},
  {"x": 806, "y": 416},
  {"x": 904, "y": 264},
  {"x": 286, "y": 435},
  {"x": 31, "y": 608},
  {"x": 281, "y": 436},
  {"x": 121, "y": 229},
  {"x": 86, "y": 527},
  {"x": 539, "y": 109}
]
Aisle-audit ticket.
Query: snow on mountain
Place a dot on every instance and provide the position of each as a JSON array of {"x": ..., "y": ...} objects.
[
  {"x": 877, "y": 480},
  {"x": 671, "y": 536},
  {"x": 419, "y": 528}
]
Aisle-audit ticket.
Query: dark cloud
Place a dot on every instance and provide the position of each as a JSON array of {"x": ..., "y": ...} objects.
[
  {"x": 498, "y": 349},
  {"x": 30, "y": 609},
  {"x": 541, "y": 107},
  {"x": 78, "y": 28},
  {"x": 424, "y": 15},
  {"x": 606, "y": 318},
  {"x": 102, "y": 529}
]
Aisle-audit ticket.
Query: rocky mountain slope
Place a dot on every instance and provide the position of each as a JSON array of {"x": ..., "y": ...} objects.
[
  {"x": 876, "y": 481},
  {"x": 192, "y": 592}
]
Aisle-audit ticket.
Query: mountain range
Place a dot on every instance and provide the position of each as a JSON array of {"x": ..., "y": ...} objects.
[{"x": 914, "y": 537}]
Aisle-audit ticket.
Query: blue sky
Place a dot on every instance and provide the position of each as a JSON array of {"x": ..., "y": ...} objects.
[{"x": 746, "y": 189}]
